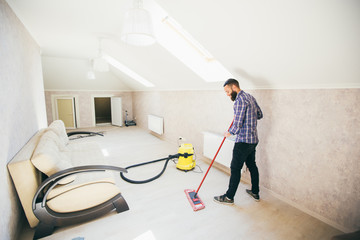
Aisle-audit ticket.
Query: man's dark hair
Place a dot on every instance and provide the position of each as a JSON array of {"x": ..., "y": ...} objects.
[{"x": 231, "y": 82}]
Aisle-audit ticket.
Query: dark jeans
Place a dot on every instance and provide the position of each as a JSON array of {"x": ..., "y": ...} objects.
[{"x": 243, "y": 152}]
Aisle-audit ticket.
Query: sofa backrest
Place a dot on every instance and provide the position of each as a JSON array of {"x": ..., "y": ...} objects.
[
  {"x": 51, "y": 156},
  {"x": 26, "y": 177},
  {"x": 58, "y": 127}
]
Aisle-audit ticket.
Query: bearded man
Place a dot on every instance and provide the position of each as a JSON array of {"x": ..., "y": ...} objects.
[{"x": 246, "y": 114}]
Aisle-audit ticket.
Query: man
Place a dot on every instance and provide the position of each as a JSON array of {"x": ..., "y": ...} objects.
[{"x": 246, "y": 114}]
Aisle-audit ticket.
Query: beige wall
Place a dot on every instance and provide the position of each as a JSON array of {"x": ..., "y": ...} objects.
[
  {"x": 308, "y": 153},
  {"x": 186, "y": 113},
  {"x": 22, "y": 108},
  {"x": 85, "y": 110}
]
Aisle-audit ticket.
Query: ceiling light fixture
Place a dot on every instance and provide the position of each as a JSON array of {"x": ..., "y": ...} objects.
[
  {"x": 137, "y": 27},
  {"x": 99, "y": 63},
  {"x": 90, "y": 74}
]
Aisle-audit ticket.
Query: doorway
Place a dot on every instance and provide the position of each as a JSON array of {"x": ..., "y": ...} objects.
[
  {"x": 102, "y": 110},
  {"x": 106, "y": 110},
  {"x": 65, "y": 111}
]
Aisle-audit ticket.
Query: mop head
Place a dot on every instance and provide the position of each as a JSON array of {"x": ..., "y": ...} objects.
[{"x": 195, "y": 202}]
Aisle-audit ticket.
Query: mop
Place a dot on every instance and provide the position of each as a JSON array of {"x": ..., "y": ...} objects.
[{"x": 192, "y": 195}]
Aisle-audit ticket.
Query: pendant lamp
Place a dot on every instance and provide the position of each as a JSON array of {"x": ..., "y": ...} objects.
[
  {"x": 99, "y": 63},
  {"x": 137, "y": 27}
]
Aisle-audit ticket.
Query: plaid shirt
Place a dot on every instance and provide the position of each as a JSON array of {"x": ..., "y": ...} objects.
[{"x": 246, "y": 114}]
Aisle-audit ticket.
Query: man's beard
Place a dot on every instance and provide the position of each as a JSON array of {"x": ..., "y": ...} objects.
[{"x": 233, "y": 95}]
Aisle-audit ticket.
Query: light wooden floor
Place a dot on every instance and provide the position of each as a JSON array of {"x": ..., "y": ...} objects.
[{"x": 160, "y": 210}]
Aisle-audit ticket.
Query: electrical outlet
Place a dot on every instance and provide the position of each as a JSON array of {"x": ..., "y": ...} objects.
[{"x": 180, "y": 140}]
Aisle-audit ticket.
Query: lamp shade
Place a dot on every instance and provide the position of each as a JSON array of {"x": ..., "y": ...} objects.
[{"x": 137, "y": 28}]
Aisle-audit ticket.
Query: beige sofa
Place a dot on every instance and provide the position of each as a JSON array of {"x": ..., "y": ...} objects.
[{"x": 61, "y": 182}]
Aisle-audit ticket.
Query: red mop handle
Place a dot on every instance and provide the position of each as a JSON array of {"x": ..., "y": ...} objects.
[{"x": 212, "y": 161}]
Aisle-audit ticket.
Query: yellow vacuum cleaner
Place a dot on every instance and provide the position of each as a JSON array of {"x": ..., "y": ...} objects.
[
  {"x": 186, "y": 160},
  {"x": 185, "y": 157}
]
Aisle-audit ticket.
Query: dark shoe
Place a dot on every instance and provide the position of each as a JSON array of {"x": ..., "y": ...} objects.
[
  {"x": 253, "y": 195},
  {"x": 224, "y": 200}
]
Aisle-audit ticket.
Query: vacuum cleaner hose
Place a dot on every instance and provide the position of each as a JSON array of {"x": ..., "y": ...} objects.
[{"x": 145, "y": 163}]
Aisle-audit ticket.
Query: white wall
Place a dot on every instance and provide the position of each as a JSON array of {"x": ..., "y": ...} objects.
[
  {"x": 22, "y": 108},
  {"x": 71, "y": 74}
]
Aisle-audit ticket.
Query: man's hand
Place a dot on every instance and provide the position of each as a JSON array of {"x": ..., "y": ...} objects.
[{"x": 227, "y": 134}]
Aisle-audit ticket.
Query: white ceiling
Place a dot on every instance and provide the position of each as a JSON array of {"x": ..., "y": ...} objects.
[{"x": 264, "y": 44}]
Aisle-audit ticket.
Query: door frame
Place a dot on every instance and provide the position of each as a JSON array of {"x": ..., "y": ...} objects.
[
  {"x": 93, "y": 121},
  {"x": 55, "y": 110}
]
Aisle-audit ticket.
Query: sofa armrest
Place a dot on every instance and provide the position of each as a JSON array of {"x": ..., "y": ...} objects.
[
  {"x": 84, "y": 132},
  {"x": 54, "y": 179}
]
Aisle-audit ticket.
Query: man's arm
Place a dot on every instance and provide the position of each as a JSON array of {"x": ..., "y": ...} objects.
[{"x": 258, "y": 110}]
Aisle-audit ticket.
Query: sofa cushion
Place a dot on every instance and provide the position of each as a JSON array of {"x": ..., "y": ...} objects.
[
  {"x": 58, "y": 127},
  {"x": 80, "y": 182},
  {"x": 85, "y": 153},
  {"x": 81, "y": 198},
  {"x": 48, "y": 157}
]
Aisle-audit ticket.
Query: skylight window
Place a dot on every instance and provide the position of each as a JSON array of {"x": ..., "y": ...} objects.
[
  {"x": 115, "y": 63},
  {"x": 182, "y": 45},
  {"x": 174, "y": 26}
]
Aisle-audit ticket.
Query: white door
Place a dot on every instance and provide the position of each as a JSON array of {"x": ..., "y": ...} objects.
[{"x": 116, "y": 111}]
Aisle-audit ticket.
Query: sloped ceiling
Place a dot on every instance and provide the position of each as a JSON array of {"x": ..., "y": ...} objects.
[{"x": 264, "y": 44}]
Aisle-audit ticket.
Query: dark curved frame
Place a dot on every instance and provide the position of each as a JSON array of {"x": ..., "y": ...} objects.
[
  {"x": 69, "y": 134},
  {"x": 49, "y": 219}
]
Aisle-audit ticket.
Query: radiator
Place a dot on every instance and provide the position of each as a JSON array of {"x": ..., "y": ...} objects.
[
  {"x": 156, "y": 124},
  {"x": 212, "y": 143}
]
